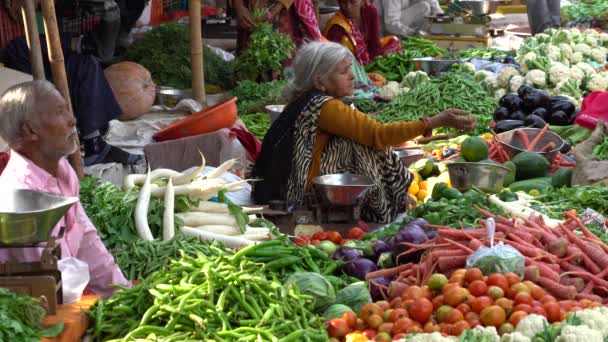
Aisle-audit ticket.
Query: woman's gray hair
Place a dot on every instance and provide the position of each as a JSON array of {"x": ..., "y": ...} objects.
[
  {"x": 313, "y": 61},
  {"x": 18, "y": 106}
]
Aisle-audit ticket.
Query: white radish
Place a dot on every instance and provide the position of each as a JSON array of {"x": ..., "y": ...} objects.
[
  {"x": 256, "y": 236},
  {"x": 233, "y": 231},
  {"x": 194, "y": 219},
  {"x": 518, "y": 209},
  {"x": 221, "y": 208},
  {"x": 229, "y": 241},
  {"x": 192, "y": 189},
  {"x": 227, "y": 165},
  {"x": 168, "y": 214},
  {"x": 141, "y": 210},
  {"x": 132, "y": 180},
  {"x": 187, "y": 178}
]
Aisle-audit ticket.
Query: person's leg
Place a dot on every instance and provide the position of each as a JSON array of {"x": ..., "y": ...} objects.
[
  {"x": 539, "y": 16},
  {"x": 554, "y": 6},
  {"x": 107, "y": 31}
]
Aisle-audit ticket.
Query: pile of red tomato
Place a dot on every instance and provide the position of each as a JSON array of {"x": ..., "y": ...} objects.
[
  {"x": 355, "y": 233},
  {"x": 450, "y": 306}
]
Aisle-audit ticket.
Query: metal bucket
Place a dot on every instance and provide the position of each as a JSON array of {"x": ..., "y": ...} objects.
[
  {"x": 484, "y": 176},
  {"x": 513, "y": 145}
]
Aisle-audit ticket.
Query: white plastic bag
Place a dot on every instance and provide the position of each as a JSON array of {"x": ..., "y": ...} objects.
[{"x": 74, "y": 278}]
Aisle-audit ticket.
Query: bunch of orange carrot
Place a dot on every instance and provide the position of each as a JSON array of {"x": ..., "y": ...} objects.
[{"x": 569, "y": 262}]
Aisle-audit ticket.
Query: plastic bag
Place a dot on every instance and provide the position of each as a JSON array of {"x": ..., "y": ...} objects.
[
  {"x": 74, "y": 278},
  {"x": 496, "y": 259}
]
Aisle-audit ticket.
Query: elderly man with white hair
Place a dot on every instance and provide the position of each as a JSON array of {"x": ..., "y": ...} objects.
[{"x": 41, "y": 131}]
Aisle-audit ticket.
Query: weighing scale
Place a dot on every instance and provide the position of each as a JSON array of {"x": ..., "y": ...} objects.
[{"x": 27, "y": 219}]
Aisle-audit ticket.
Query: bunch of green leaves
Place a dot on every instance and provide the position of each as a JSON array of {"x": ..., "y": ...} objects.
[
  {"x": 266, "y": 52},
  {"x": 253, "y": 97},
  {"x": 601, "y": 150},
  {"x": 21, "y": 318},
  {"x": 555, "y": 202},
  {"x": 589, "y": 9},
  {"x": 258, "y": 124},
  {"x": 165, "y": 52}
]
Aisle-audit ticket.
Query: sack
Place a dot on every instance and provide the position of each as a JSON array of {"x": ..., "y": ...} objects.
[
  {"x": 589, "y": 170},
  {"x": 74, "y": 278}
]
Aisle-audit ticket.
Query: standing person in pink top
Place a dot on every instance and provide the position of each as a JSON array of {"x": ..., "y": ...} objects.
[{"x": 41, "y": 131}]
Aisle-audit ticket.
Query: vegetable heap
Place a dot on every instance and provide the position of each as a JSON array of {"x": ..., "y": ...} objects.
[
  {"x": 21, "y": 318},
  {"x": 601, "y": 151},
  {"x": 483, "y": 52},
  {"x": 585, "y": 11},
  {"x": 258, "y": 124},
  {"x": 578, "y": 198},
  {"x": 208, "y": 297},
  {"x": 253, "y": 97}
]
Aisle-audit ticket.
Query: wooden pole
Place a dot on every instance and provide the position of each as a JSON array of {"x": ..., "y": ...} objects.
[
  {"x": 30, "y": 23},
  {"x": 196, "y": 52},
  {"x": 60, "y": 79}
]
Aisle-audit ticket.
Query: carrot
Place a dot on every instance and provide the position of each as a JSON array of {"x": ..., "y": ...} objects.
[
  {"x": 388, "y": 272},
  {"x": 539, "y": 136},
  {"x": 475, "y": 244},
  {"x": 524, "y": 139},
  {"x": 590, "y": 250},
  {"x": 591, "y": 297},
  {"x": 579, "y": 283},
  {"x": 531, "y": 273},
  {"x": 446, "y": 263},
  {"x": 588, "y": 277},
  {"x": 556, "y": 289},
  {"x": 529, "y": 251},
  {"x": 550, "y": 146},
  {"x": 461, "y": 246},
  {"x": 545, "y": 271},
  {"x": 582, "y": 227}
]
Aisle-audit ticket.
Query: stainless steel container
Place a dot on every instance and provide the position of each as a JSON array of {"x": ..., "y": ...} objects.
[
  {"x": 341, "y": 189},
  {"x": 513, "y": 145},
  {"x": 479, "y": 7},
  {"x": 485, "y": 176},
  {"x": 274, "y": 111},
  {"x": 434, "y": 66},
  {"x": 28, "y": 217},
  {"x": 409, "y": 156},
  {"x": 167, "y": 96}
]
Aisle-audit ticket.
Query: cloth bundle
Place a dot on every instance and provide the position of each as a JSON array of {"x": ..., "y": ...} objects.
[{"x": 590, "y": 170}]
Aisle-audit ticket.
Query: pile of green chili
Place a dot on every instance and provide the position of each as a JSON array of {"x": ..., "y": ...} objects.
[{"x": 258, "y": 124}]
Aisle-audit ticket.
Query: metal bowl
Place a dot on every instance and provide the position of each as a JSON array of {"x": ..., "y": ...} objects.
[
  {"x": 480, "y": 7},
  {"x": 28, "y": 217},
  {"x": 274, "y": 111},
  {"x": 513, "y": 145},
  {"x": 168, "y": 96},
  {"x": 434, "y": 66},
  {"x": 342, "y": 189},
  {"x": 408, "y": 157},
  {"x": 485, "y": 176}
]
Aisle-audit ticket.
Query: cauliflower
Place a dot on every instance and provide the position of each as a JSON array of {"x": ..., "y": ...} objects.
[
  {"x": 499, "y": 93},
  {"x": 515, "y": 337},
  {"x": 391, "y": 90},
  {"x": 591, "y": 32},
  {"x": 591, "y": 41},
  {"x": 530, "y": 56},
  {"x": 434, "y": 337},
  {"x": 575, "y": 57},
  {"x": 504, "y": 77},
  {"x": 576, "y": 74},
  {"x": 594, "y": 318},
  {"x": 543, "y": 38},
  {"x": 553, "y": 52},
  {"x": 488, "y": 333},
  {"x": 531, "y": 325},
  {"x": 598, "y": 56},
  {"x": 565, "y": 48},
  {"x": 515, "y": 83},
  {"x": 583, "y": 48},
  {"x": 558, "y": 72},
  {"x": 536, "y": 78},
  {"x": 576, "y": 333},
  {"x": 597, "y": 83},
  {"x": 414, "y": 78},
  {"x": 586, "y": 68},
  {"x": 482, "y": 75},
  {"x": 490, "y": 83}
]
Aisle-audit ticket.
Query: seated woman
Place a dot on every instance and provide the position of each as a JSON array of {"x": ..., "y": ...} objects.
[
  {"x": 357, "y": 26},
  {"x": 318, "y": 134}
]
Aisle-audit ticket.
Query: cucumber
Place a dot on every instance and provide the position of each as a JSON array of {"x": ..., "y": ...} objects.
[{"x": 542, "y": 184}]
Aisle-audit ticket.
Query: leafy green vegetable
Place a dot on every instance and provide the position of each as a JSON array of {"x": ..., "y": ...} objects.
[
  {"x": 354, "y": 296},
  {"x": 21, "y": 318},
  {"x": 555, "y": 202},
  {"x": 601, "y": 151},
  {"x": 258, "y": 124},
  {"x": 335, "y": 311},
  {"x": 253, "y": 97},
  {"x": 482, "y": 52},
  {"x": 315, "y": 285}
]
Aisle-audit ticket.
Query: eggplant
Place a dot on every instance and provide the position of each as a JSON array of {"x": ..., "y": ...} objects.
[
  {"x": 517, "y": 115},
  {"x": 359, "y": 268},
  {"x": 536, "y": 99},
  {"x": 524, "y": 90},
  {"x": 448, "y": 152},
  {"x": 565, "y": 148},
  {"x": 557, "y": 98},
  {"x": 501, "y": 113},
  {"x": 375, "y": 291},
  {"x": 564, "y": 106},
  {"x": 541, "y": 113},
  {"x": 573, "y": 116},
  {"x": 534, "y": 121},
  {"x": 379, "y": 247},
  {"x": 511, "y": 101},
  {"x": 507, "y": 125},
  {"x": 560, "y": 118},
  {"x": 346, "y": 253}
]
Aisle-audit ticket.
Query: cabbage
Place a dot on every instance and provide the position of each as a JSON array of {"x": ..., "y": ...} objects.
[
  {"x": 354, "y": 295},
  {"x": 315, "y": 285},
  {"x": 335, "y": 311}
]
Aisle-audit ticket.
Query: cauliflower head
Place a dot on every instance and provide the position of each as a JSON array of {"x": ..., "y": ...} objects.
[
  {"x": 515, "y": 83},
  {"x": 586, "y": 68},
  {"x": 591, "y": 41},
  {"x": 598, "y": 56},
  {"x": 583, "y": 48},
  {"x": 603, "y": 37},
  {"x": 558, "y": 72},
  {"x": 576, "y": 74},
  {"x": 536, "y": 78},
  {"x": 530, "y": 56},
  {"x": 597, "y": 83},
  {"x": 433, "y": 337},
  {"x": 391, "y": 90},
  {"x": 576, "y": 57},
  {"x": 515, "y": 337},
  {"x": 505, "y": 74},
  {"x": 553, "y": 52},
  {"x": 594, "y": 319},
  {"x": 572, "y": 333},
  {"x": 490, "y": 333},
  {"x": 490, "y": 83},
  {"x": 531, "y": 325},
  {"x": 499, "y": 93},
  {"x": 565, "y": 48},
  {"x": 482, "y": 75}
]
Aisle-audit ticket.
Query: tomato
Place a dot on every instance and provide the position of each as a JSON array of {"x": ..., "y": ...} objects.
[
  {"x": 478, "y": 288},
  {"x": 446, "y": 328},
  {"x": 459, "y": 272},
  {"x": 499, "y": 280},
  {"x": 350, "y": 317},
  {"x": 321, "y": 235},
  {"x": 547, "y": 298},
  {"x": 386, "y": 328},
  {"x": 314, "y": 241},
  {"x": 396, "y": 289},
  {"x": 512, "y": 278},
  {"x": 415, "y": 328},
  {"x": 448, "y": 287},
  {"x": 457, "y": 279},
  {"x": 370, "y": 334},
  {"x": 374, "y": 321},
  {"x": 337, "y": 327},
  {"x": 523, "y": 298},
  {"x": 384, "y": 305},
  {"x": 427, "y": 292},
  {"x": 397, "y": 314},
  {"x": 481, "y": 303},
  {"x": 407, "y": 303},
  {"x": 538, "y": 292},
  {"x": 459, "y": 327},
  {"x": 538, "y": 310},
  {"x": 361, "y": 325},
  {"x": 355, "y": 233},
  {"x": 523, "y": 307},
  {"x": 495, "y": 292},
  {"x": 396, "y": 303},
  {"x": 383, "y": 337},
  {"x": 421, "y": 310},
  {"x": 413, "y": 292},
  {"x": 506, "y": 304},
  {"x": 464, "y": 308},
  {"x": 453, "y": 316},
  {"x": 437, "y": 301},
  {"x": 430, "y": 327},
  {"x": 553, "y": 312},
  {"x": 506, "y": 328},
  {"x": 493, "y": 315},
  {"x": 455, "y": 296},
  {"x": 474, "y": 324},
  {"x": 471, "y": 316},
  {"x": 442, "y": 312},
  {"x": 387, "y": 314},
  {"x": 402, "y": 325},
  {"x": 473, "y": 274},
  {"x": 516, "y": 317},
  {"x": 334, "y": 237},
  {"x": 398, "y": 337},
  {"x": 370, "y": 309},
  {"x": 517, "y": 288}
]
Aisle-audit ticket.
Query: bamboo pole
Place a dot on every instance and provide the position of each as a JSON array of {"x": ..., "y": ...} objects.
[
  {"x": 196, "y": 52},
  {"x": 60, "y": 79},
  {"x": 30, "y": 23}
]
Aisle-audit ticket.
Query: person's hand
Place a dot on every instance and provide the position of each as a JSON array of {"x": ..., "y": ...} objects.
[
  {"x": 244, "y": 17},
  {"x": 454, "y": 118}
]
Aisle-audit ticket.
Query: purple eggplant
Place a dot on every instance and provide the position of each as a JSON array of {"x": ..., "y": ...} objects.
[
  {"x": 376, "y": 291},
  {"x": 359, "y": 268},
  {"x": 347, "y": 254}
]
